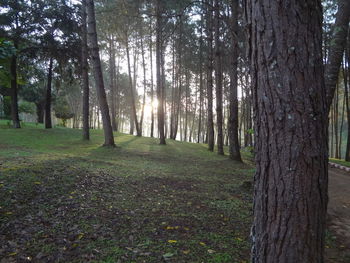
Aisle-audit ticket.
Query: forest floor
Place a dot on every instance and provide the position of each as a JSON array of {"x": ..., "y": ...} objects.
[{"x": 66, "y": 200}]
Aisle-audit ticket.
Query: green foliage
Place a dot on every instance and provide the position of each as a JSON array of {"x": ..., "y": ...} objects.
[
  {"x": 62, "y": 110},
  {"x": 26, "y": 107}
]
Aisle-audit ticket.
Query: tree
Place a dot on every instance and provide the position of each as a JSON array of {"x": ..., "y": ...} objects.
[
  {"x": 290, "y": 196},
  {"x": 100, "y": 89},
  {"x": 84, "y": 72},
  {"x": 234, "y": 147},
  {"x": 336, "y": 50},
  {"x": 160, "y": 72},
  {"x": 209, "y": 29}
]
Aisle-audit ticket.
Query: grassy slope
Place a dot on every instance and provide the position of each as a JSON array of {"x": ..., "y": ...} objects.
[
  {"x": 65, "y": 200},
  {"x": 340, "y": 161}
]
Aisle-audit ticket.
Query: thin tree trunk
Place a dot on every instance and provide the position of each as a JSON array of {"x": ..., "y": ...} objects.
[
  {"x": 209, "y": 28},
  {"x": 144, "y": 85},
  {"x": 132, "y": 95},
  {"x": 112, "y": 83},
  {"x": 100, "y": 89},
  {"x": 151, "y": 61},
  {"x": 14, "y": 96},
  {"x": 218, "y": 79},
  {"x": 200, "y": 81},
  {"x": 290, "y": 193},
  {"x": 84, "y": 74},
  {"x": 48, "y": 122},
  {"x": 159, "y": 66}
]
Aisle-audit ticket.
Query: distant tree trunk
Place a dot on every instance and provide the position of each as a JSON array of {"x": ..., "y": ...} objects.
[
  {"x": 116, "y": 85},
  {"x": 209, "y": 28},
  {"x": 341, "y": 127},
  {"x": 346, "y": 73},
  {"x": 112, "y": 83},
  {"x": 159, "y": 66},
  {"x": 14, "y": 96},
  {"x": 40, "y": 112},
  {"x": 335, "y": 122},
  {"x": 48, "y": 123},
  {"x": 200, "y": 82},
  {"x": 100, "y": 89},
  {"x": 234, "y": 147},
  {"x": 132, "y": 95},
  {"x": 186, "y": 105},
  {"x": 144, "y": 85},
  {"x": 152, "y": 95},
  {"x": 218, "y": 79},
  {"x": 173, "y": 88},
  {"x": 84, "y": 74},
  {"x": 290, "y": 193},
  {"x": 336, "y": 50}
]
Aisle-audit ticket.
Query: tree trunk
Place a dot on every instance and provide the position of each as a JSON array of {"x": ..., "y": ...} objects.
[
  {"x": 336, "y": 49},
  {"x": 290, "y": 193},
  {"x": 209, "y": 28},
  {"x": 14, "y": 96},
  {"x": 151, "y": 61},
  {"x": 132, "y": 95},
  {"x": 159, "y": 66},
  {"x": 200, "y": 82},
  {"x": 40, "y": 112},
  {"x": 234, "y": 147},
  {"x": 85, "y": 75},
  {"x": 346, "y": 72},
  {"x": 218, "y": 79},
  {"x": 48, "y": 122},
  {"x": 100, "y": 89},
  {"x": 144, "y": 85},
  {"x": 112, "y": 83}
]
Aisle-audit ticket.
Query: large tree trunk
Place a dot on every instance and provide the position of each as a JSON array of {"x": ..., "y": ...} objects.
[
  {"x": 209, "y": 29},
  {"x": 48, "y": 122},
  {"x": 336, "y": 49},
  {"x": 290, "y": 193},
  {"x": 159, "y": 66},
  {"x": 234, "y": 147},
  {"x": 100, "y": 89},
  {"x": 218, "y": 79},
  {"x": 14, "y": 97},
  {"x": 85, "y": 74}
]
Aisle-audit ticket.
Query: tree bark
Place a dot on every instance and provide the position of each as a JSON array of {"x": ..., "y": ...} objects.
[
  {"x": 209, "y": 28},
  {"x": 112, "y": 84},
  {"x": 336, "y": 49},
  {"x": 14, "y": 94},
  {"x": 159, "y": 66},
  {"x": 151, "y": 61},
  {"x": 48, "y": 122},
  {"x": 84, "y": 73},
  {"x": 290, "y": 193},
  {"x": 218, "y": 79},
  {"x": 234, "y": 147},
  {"x": 100, "y": 89}
]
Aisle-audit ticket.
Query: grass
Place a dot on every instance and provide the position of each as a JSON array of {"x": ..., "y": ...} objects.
[
  {"x": 340, "y": 161},
  {"x": 63, "y": 199}
]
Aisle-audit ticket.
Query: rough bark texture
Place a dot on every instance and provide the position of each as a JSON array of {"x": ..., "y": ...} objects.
[
  {"x": 48, "y": 122},
  {"x": 336, "y": 49},
  {"x": 100, "y": 89},
  {"x": 209, "y": 29},
  {"x": 290, "y": 194},
  {"x": 234, "y": 147},
  {"x": 14, "y": 96},
  {"x": 84, "y": 73},
  {"x": 159, "y": 66}
]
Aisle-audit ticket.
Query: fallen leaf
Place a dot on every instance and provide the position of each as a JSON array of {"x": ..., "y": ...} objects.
[
  {"x": 202, "y": 244},
  {"x": 211, "y": 251},
  {"x": 172, "y": 241},
  {"x": 186, "y": 252}
]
